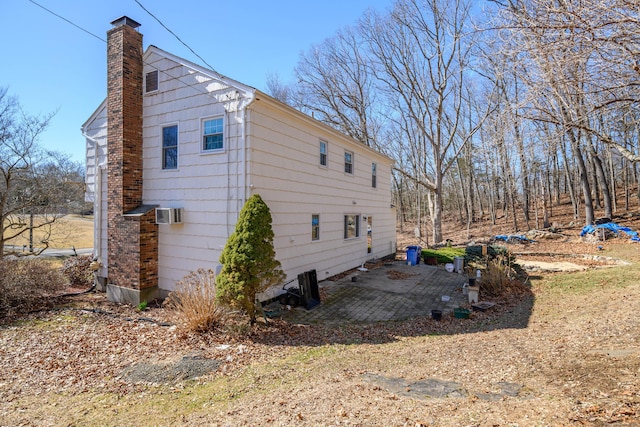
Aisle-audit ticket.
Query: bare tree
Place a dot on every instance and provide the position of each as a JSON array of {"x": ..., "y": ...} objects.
[
  {"x": 33, "y": 183},
  {"x": 422, "y": 52},
  {"x": 335, "y": 85},
  {"x": 279, "y": 90},
  {"x": 579, "y": 61}
]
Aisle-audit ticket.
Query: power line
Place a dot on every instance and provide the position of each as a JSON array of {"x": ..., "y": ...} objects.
[
  {"x": 67, "y": 21},
  {"x": 176, "y": 36},
  {"x": 194, "y": 87}
]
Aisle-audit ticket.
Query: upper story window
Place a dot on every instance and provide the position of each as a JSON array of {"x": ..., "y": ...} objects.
[
  {"x": 213, "y": 134},
  {"x": 374, "y": 173},
  {"x": 170, "y": 147},
  {"x": 151, "y": 81},
  {"x": 315, "y": 227},
  {"x": 323, "y": 153},
  {"x": 348, "y": 162}
]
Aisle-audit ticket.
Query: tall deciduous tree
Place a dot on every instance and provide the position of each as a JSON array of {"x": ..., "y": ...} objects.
[
  {"x": 579, "y": 61},
  {"x": 249, "y": 265},
  {"x": 422, "y": 54},
  {"x": 336, "y": 85}
]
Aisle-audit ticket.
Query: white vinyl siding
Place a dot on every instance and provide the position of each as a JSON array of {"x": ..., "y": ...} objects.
[
  {"x": 268, "y": 149},
  {"x": 284, "y": 171}
]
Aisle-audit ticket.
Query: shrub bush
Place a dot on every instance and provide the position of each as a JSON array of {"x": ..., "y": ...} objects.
[
  {"x": 249, "y": 264},
  {"x": 194, "y": 299},
  {"x": 500, "y": 277},
  {"x": 443, "y": 255},
  {"x": 28, "y": 284},
  {"x": 78, "y": 270}
]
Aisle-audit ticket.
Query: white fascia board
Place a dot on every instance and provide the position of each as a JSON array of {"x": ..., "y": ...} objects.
[{"x": 93, "y": 116}]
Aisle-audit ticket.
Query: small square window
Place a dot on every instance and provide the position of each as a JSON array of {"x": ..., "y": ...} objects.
[
  {"x": 315, "y": 227},
  {"x": 213, "y": 134},
  {"x": 151, "y": 81},
  {"x": 348, "y": 162},
  {"x": 323, "y": 153},
  {"x": 170, "y": 147}
]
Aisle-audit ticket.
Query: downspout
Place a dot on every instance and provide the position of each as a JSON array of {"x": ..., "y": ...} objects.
[
  {"x": 245, "y": 149},
  {"x": 245, "y": 189}
]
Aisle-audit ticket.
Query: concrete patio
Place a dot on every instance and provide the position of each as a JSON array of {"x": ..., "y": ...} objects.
[{"x": 393, "y": 291}]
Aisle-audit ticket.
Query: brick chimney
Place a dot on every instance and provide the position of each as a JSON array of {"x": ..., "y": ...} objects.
[{"x": 132, "y": 232}]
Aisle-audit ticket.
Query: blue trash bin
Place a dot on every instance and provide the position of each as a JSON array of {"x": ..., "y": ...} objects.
[{"x": 412, "y": 255}]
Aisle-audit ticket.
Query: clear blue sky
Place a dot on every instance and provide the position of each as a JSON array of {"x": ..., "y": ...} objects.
[{"x": 51, "y": 65}]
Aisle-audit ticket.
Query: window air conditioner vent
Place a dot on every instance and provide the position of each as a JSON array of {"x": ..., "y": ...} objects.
[{"x": 168, "y": 215}]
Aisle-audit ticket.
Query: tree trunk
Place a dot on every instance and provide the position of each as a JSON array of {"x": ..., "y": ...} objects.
[
  {"x": 584, "y": 178},
  {"x": 435, "y": 210},
  {"x": 601, "y": 176},
  {"x": 569, "y": 184},
  {"x": 612, "y": 180}
]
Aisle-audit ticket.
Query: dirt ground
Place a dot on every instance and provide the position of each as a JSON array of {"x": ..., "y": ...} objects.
[{"x": 557, "y": 356}]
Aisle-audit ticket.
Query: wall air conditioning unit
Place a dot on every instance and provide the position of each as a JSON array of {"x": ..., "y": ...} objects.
[{"x": 168, "y": 215}]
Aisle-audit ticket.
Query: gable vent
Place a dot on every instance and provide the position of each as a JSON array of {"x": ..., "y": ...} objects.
[{"x": 151, "y": 81}]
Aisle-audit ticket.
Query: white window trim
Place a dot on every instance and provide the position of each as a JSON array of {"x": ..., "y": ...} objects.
[
  {"x": 161, "y": 127},
  {"x": 353, "y": 163},
  {"x": 326, "y": 144},
  {"x": 224, "y": 134},
  {"x": 358, "y": 226}
]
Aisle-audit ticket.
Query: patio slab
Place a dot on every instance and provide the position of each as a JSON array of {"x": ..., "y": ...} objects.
[{"x": 391, "y": 292}]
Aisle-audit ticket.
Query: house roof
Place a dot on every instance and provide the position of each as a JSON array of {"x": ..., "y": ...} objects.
[{"x": 251, "y": 92}]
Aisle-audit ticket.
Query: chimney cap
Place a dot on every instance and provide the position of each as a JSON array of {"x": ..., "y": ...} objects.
[{"x": 125, "y": 20}]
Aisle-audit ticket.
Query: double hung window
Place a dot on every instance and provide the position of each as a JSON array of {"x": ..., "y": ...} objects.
[
  {"x": 348, "y": 162},
  {"x": 213, "y": 134},
  {"x": 323, "y": 153},
  {"x": 170, "y": 147}
]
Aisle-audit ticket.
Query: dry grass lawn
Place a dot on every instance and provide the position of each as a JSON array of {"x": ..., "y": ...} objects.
[{"x": 67, "y": 232}]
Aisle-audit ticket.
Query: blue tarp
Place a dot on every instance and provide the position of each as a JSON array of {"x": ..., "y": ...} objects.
[
  {"x": 612, "y": 226},
  {"x": 509, "y": 238}
]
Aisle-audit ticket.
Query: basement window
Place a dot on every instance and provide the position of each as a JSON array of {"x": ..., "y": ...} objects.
[{"x": 151, "y": 81}]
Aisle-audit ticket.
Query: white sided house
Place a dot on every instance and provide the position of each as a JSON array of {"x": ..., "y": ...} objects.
[{"x": 174, "y": 152}]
